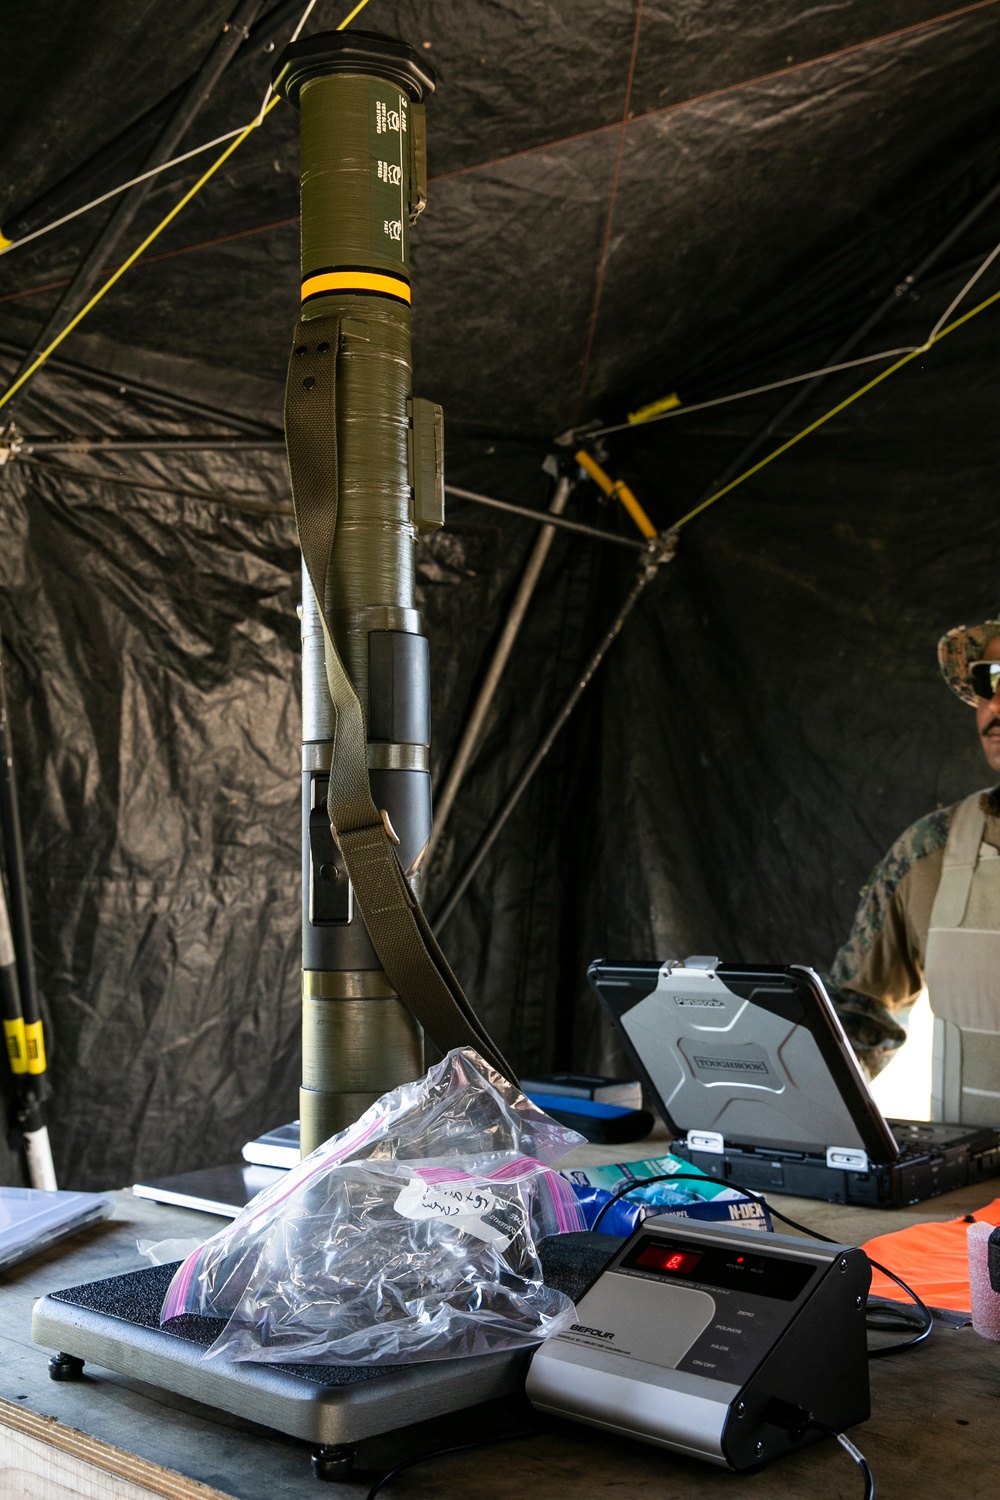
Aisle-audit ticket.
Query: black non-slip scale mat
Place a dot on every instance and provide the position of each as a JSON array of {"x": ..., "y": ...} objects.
[{"x": 569, "y": 1263}]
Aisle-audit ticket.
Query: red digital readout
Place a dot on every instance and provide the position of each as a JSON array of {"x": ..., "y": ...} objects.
[{"x": 657, "y": 1258}]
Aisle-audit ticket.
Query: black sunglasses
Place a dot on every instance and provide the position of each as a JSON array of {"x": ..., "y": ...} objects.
[{"x": 985, "y": 678}]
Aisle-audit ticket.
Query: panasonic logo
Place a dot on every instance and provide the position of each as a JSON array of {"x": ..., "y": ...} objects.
[
  {"x": 705, "y": 1004},
  {"x": 731, "y": 1065},
  {"x": 595, "y": 1333}
]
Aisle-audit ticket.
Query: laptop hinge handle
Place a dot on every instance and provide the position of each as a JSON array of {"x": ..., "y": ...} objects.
[
  {"x": 847, "y": 1158},
  {"x": 706, "y": 1140}
]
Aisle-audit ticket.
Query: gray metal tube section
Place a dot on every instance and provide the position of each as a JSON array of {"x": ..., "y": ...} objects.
[
  {"x": 655, "y": 557},
  {"x": 319, "y": 721},
  {"x": 477, "y": 718}
]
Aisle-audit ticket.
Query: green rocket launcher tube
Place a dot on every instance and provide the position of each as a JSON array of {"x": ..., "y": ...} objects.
[{"x": 363, "y": 183}]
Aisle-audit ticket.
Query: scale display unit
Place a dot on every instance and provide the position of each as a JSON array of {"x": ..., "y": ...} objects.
[{"x": 703, "y": 1340}]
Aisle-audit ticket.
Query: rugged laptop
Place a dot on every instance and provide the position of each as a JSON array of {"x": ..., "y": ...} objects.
[{"x": 754, "y": 1076}]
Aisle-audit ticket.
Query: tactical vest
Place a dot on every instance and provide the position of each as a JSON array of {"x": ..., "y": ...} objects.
[{"x": 962, "y": 971}]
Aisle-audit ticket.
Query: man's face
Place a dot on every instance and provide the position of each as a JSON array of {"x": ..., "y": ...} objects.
[{"x": 988, "y": 712}]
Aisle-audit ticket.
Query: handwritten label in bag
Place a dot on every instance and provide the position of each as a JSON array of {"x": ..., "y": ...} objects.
[{"x": 470, "y": 1207}]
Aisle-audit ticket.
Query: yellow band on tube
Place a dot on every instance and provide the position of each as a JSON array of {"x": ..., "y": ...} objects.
[
  {"x": 17, "y": 1048},
  {"x": 356, "y": 281},
  {"x": 35, "y": 1047}
]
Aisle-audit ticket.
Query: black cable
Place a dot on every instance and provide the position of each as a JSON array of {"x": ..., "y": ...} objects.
[
  {"x": 928, "y": 1316},
  {"x": 892, "y": 1317},
  {"x": 408, "y": 1463},
  {"x": 927, "y": 1322},
  {"x": 855, "y": 1453}
]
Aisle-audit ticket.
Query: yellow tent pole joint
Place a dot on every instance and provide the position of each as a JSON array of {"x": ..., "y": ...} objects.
[
  {"x": 595, "y": 471},
  {"x": 654, "y": 409},
  {"x": 622, "y": 492},
  {"x": 617, "y": 489},
  {"x": 34, "y": 1040}
]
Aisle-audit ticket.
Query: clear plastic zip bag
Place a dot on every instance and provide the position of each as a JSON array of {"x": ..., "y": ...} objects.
[{"x": 410, "y": 1236}]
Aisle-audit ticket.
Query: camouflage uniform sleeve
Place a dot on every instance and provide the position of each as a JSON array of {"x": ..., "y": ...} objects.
[{"x": 878, "y": 973}]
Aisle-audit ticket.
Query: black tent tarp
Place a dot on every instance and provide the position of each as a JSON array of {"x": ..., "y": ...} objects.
[{"x": 770, "y": 719}]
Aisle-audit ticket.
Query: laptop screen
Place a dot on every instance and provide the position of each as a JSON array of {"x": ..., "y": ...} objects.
[{"x": 755, "y": 1055}]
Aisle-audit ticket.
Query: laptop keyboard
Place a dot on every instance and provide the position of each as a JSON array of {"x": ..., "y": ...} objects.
[
  {"x": 913, "y": 1153},
  {"x": 917, "y": 1137}
]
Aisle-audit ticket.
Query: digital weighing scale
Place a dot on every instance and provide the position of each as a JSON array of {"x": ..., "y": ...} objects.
[
  {"x": 690, "y": 1337},
  {"x": 115, "y": 1324},
  {"x": 697, "y": 1339}
]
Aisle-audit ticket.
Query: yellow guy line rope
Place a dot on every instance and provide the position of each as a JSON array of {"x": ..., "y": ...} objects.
[
  {"x": 348, "y": 19},
  {"x": 168, "y": 218},
  {"x": 117, "y": 275},
  {"x": 835, "y": 410}
]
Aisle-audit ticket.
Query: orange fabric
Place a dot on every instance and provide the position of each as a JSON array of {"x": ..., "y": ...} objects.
[{"x": 931, "y": 1258}]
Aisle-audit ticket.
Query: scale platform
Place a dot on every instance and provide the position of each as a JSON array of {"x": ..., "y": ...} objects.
[{"x": 115, "y": 1324}]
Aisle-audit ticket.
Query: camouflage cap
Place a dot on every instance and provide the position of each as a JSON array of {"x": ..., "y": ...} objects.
[{"x": 958, "y": 650}]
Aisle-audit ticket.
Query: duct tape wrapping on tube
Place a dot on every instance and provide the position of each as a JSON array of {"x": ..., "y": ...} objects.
[{"x": 409, "y": 1236}]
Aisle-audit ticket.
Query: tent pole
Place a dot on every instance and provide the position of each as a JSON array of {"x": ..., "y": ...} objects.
[
  {"x": 473, "y": 728},
  {"x": 803, "y": 392},
  {"x": 179, "y": 444},
  {"x": 30, "y": 446},
  {"x": 550, "y": 518},
  {"x": 124, "y": 385},
  {"x": 12, "y": 844},
  {"x": 22, "y": 1018},
  {"x": 70, "y": 190},
  {"x": 658, "y": 551},
  {"x": 197, "y": 93}
]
